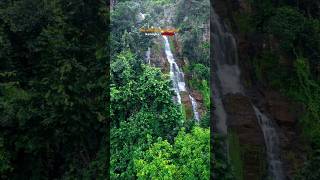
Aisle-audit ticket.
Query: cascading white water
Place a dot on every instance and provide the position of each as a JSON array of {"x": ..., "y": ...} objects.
[
  {"x": 272, "y": 145},
  {"x": 175, "y": 74},
  {"x": 228, "y": 77},
  {"x": 148, "y": 55},
  {"x": 219, "y": 112},
  {"x": 177, "y": 78},
  {"x": 194, "y": 108}
]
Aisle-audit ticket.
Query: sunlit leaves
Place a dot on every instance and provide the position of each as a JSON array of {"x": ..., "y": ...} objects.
[
  {"x": 141, "y": 109},
  {"x": 187, "y": 158}
]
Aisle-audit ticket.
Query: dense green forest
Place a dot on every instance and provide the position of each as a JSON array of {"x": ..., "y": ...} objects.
[
  {"x": 151, "y": 135},
  {"x": 79, "y": 103},
  {"x": 55, "y": 85},
  {"x": 53, "y": 89}
]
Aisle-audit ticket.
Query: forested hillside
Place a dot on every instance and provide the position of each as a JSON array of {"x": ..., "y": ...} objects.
[
  {"x": 55, "y": 83},
  {"x": 53, "y": 89},
  {"x": 85, "y": 94},
  {"x": 152, "y": 134}
]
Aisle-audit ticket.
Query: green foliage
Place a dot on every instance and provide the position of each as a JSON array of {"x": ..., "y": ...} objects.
[
  {"x": 193, "y": 48},
  {"x": 309, "y": 41},
  {"x": 200, "y": 71},
  {"x": 161, "y": 2},
  {"x": 192, "y": 23},
  {"x": 52, "y": 88},
  {"x": 120, "y": 69},
  {"x": 186, "y": 158},
  {"x": 289, "y": 59},
  {"x": 308, "y": 93},
  {"x": 149, "y": 89},
  {"x": 5, "y": 165},
  {"x": 270, "y": 71},
  {"x": 125, "y": 29},
  {"x": 244, "y": 22},
  {"x": 141, "y": 108},
  {"x": 193, "y": 150},
  {"x": 205, "y": 121},
  {"x": 221, "y": 168},
  {"x": 311, "y": 168},
  {"x": 200, "y": 11},
  {"x": 205, "y": 91},
  {"x": 32, "y": 16},
  {"x": 203, "y": 87},
  {"x": 286, "y": 24},
  {"x": 235, "y": 155},
  {"x": 132, "y": 135},
  {"x": 199, "y": 81},
  {"x": 263, "y": 10},
  {"x": 183, "y": 112},
  {"x": 160, "y": 163}
]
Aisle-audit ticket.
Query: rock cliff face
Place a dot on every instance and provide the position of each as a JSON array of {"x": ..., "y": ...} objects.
[
  {"x": 286, "y": 114},
  {"x": 158, "y": 59},
  {"x": 281, "y": 110},
  {"x": 158, "y": 56},
  {"x": 242, "y": 121}
]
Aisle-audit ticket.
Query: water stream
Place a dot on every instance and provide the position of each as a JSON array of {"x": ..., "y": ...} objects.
[
  {"x": 227, "y": 81},
  {"x": 148, "y": 55},
  {"x": 177, "y": 78},
  {"x": 272, "y": 145},
  {"x": 194, "y": 108}
]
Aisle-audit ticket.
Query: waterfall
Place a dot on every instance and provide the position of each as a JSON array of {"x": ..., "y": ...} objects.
[
  {"x": 227, "y": 81},
  {"x": 272, "y": 145},
  {"x": 219, "y": 112},
  {"x": 148, "y": 52},
  {"x": 194, "y": 108},
  {"x": 177, "y": 78}
]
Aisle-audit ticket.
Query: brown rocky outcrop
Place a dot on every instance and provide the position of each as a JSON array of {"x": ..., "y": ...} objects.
[
  {"x": 284, "y": 112},
  {"x": 158, "y": 57},
  {"x": 185, "y": 100},
  {"x": 242, "y": 121},
  {"x": 197, "y": 96}
]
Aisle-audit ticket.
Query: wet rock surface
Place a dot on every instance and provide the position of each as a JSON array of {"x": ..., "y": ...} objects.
[
  {"x": 286, "y": 114},
  {"x": 242, "y": 121},
  {"x": 185, "y": 100},
  {"x": 198, "y": 97},
  {"x": 158, "y": 57}
]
